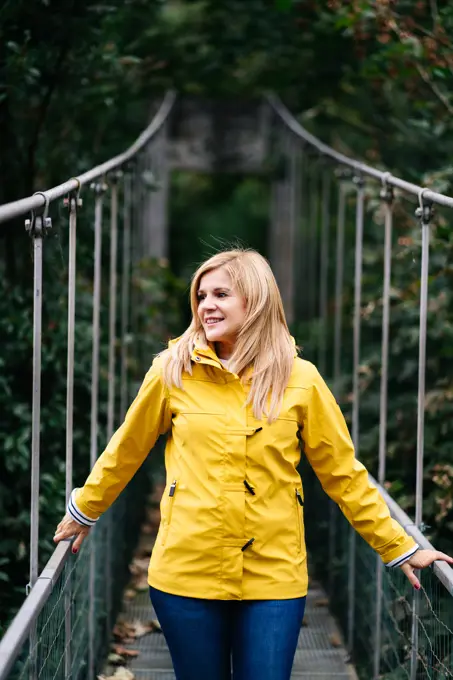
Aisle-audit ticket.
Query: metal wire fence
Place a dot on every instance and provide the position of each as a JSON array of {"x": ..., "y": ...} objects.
[
  {"x": 54, "y": 650},
  {"x": 393, "y": 640}
]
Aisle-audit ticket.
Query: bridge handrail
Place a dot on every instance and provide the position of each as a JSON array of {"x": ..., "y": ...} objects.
[
  {"x": 24, "y": 205},
  {"x": 20, "y": 627},
  {"x": 442, "y": 570},
  {"x": 357, "y": 166}
]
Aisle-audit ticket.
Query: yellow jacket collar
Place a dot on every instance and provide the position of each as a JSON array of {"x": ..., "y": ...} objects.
[{"x": 204, "y": 350}]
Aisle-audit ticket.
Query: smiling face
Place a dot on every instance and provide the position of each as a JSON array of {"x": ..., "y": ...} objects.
[{"x": 221, "y": 309}]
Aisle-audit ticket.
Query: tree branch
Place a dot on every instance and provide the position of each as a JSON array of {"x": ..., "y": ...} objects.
[
  {"x": 438, "y": 93},
  {"x": 424, "y": 74}
]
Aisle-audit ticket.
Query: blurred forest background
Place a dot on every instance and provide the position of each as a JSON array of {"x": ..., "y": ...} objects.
[{"x": 373, "y": 78}]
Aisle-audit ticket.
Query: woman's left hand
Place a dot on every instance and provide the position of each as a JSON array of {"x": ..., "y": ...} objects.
[{"x": 420, "y": 560}]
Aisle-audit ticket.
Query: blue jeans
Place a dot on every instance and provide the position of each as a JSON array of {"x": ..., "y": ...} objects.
[{"x": 205, "y": 637}]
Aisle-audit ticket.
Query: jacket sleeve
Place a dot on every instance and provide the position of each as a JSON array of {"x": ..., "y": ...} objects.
[
  {"x": 148, "y": 417},
  {"x": 330, "y": 451}
]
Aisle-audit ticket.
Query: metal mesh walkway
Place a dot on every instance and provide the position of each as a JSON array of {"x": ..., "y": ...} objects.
[{"x": 320, "y": 653}]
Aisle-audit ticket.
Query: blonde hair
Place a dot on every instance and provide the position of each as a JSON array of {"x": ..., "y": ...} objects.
[{"x": 264, "y": 345}]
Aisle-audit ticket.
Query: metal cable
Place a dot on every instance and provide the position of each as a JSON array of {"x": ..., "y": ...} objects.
[
  {"x": 360, "y": 168},
  {"x": 10, "y": 210},
  {"x": 324, "y": 270},
  {"x": 387, "y": 195},
  {"x": 125, "y": 292},
  {"x": 339, "y": 275}
]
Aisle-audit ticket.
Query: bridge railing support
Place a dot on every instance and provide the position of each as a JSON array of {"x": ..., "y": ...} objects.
[
  {"x": 68, "y": 613},
  {"x": 388, "y": 628}
]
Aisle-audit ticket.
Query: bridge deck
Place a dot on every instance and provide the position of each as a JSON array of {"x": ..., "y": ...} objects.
[{"x": 320, "y": 654}]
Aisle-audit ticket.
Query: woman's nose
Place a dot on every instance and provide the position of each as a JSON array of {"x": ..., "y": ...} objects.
[{"x": 208, "y": 304}]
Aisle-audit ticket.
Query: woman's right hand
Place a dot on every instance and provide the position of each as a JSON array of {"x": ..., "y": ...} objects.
[{"x": 69, "y": 528}]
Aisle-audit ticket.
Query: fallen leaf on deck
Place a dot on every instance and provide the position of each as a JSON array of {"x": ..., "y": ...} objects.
[
  {"x": 140, "y": 629},
  {"x": 146, "y": 545},
  {"x": 156, "y": 625},
  {"x": 127, "y": 631},
  {"x": 335, "y": 640},
  {"x": 121, "y": 631},
  {"x": 125, "y": 652},
  {"x": 121, "y": 673},
  {"x": 323, "y": 602},
  {"x": 115, "y": 659},
  {"x": 140, "y": 583},
  {"x": 139, "y": 565},
  {"x": 129, "y": 594}
]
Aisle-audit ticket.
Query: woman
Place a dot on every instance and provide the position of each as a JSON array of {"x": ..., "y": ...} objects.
[{"x": 228, "y": 573}]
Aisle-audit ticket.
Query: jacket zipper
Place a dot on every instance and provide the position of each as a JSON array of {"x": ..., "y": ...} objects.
[
  {"x": 299, "y": 504},
  {"x": 171, "y": 494}
]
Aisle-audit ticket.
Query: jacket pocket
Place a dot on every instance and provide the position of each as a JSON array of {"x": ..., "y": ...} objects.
[
  {"x": 166, "y": 519},
  {"x": 299, "y": 504}
]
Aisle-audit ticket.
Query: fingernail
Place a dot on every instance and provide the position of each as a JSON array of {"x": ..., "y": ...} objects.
[
  {"x": 75, "y": 551},
  {"x": 417, "y": 586}
]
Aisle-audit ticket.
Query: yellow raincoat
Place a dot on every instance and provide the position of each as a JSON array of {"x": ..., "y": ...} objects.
[{"x": 232, "y": 511}]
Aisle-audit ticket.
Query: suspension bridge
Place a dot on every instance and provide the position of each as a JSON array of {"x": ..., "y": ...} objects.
[{"x": 381, "y": 628}]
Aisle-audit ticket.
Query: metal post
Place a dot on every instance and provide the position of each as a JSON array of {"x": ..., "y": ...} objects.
[
  {"x": 297, "y": 218},
  {"x": 112, "y": 306},
  {"x": 36, "y": 400},
  {"x": 98, "y": 209},
  {"x": 424, "y": 212},
  {"x": 339, "y": 269},
  {"x": 313, "y": 237},
  {"x": 125, "y": 292},
  {"x": 301, "y": 267},
  {"x": 72, "y": 202},
  {"x": 291, "y": 221},
  {"x": 99, "y": 202},
  {"x": 324, "y": 271},
  {"x": 111, "y": 378},
  {"x": 356, "y": 393},
  {"x": 339, "y": 276},
  {"x": 387, "y": 196},
  {"x": 282, "y": 233},
  {"x": 37, "y": 227}
]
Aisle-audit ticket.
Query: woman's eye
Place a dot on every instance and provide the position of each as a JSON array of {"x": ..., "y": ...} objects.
[{"x": 221, "y": 294}]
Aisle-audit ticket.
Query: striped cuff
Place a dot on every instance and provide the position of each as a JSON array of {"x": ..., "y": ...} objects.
[
  {"x": 76, "y": 514},
  {"x": 403, "y": 558}
]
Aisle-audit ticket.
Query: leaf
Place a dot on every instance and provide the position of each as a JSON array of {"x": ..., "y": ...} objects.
[
  {"x": 121, "y": 651},
  {"x": 131, "y": 630},
  {"x": 156, "y": 624},
  {"x": 141, "y": 629},
  {"x": 335, "y": 640},
  {"x": 115, "y": 659},
  {"x": 322, "y": 602},
  {"x": 121, "y": 673}
]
